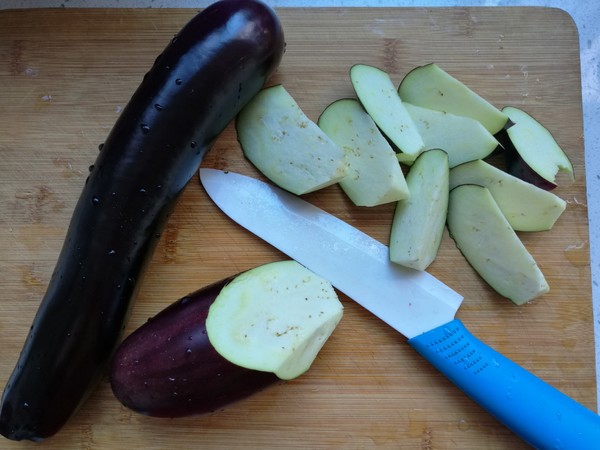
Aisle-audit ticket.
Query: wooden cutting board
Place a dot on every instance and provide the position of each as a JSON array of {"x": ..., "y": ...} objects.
[{"x": 66, "y": 74}]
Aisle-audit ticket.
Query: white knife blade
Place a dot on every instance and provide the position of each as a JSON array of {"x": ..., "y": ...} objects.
[
  {"x": 414, "y": 303},
  {"x": 335, "y": 250}
]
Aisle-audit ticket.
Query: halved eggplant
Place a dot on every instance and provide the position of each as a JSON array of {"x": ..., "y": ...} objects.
[
  {"x": 488, "y": 242},
  {"x": 374, "y": 174},
  {"x": 432, "y": 87},
  {"x": 226, "y": 342},
  {"x": 207, "y": 73}
]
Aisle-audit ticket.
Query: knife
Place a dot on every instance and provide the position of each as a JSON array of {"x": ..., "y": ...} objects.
[{"x": 414, "y": 303}]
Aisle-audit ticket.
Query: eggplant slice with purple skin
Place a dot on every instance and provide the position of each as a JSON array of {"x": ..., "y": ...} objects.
[
  {"x": 206, "y": 74},
  {"x": 532, "y": 153}
]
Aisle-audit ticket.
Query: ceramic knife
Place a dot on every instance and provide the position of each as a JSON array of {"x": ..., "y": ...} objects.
[{"x": 414, "y": 303}]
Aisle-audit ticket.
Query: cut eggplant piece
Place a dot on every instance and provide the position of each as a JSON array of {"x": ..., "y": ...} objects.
[
  {"x": 374, "y": 175},
  {"x": 378, "y": 95},
  {"x": 286, "y": 146},
  {"x": 169, "y": 367},
  {"x": 525, "y": 206},
  {"x": 491, "y": 246},
  {"x": 418, "y": 222},
  {"x": 431, "y": 87},
  {"x": 516, "y": 166},
  {"x": 274, "y": 318},
  {"x": 463, "y": 138},
  {"x": 536, "y": 153}
]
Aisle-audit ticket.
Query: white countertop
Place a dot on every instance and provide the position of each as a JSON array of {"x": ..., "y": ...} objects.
[{"x": 586, "y": 14}]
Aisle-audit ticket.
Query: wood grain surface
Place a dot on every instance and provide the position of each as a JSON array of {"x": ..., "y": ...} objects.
[{"x": 65, "y": 75}]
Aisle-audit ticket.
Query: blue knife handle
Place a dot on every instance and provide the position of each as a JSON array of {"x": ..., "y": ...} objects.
[{"x": 537, "y": 412}]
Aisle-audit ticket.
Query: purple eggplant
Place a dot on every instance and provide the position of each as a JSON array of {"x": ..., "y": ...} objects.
[
  {"x": 227, "y": 341},
  {"x": 168, "y": 367},
  {"x": 206, "y": 74}
]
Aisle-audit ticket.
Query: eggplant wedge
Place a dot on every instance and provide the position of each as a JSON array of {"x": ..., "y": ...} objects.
[
  {"x": 532, "y": 153},
  {"x": 286, "y": 146},
  {"x": 491, "y": 246},
  {"x": 377, "y": 93},
  {"x": 418, "y": 223},
  {"x": 431, "y": 87},
  {"x": 206, "y": 74},
  {"x": 374, "y": 176}
]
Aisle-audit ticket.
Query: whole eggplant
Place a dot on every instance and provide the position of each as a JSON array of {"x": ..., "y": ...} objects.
[
  {"x": 206, "y": 74},
  {"x": 169, "y": 368}
]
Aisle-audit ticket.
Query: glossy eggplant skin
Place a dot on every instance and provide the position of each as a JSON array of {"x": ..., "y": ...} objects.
[
  {"x": 209, "y": 71},
  {"x": 168, "y": 367},
  {"x": 516, "y": 165}
]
